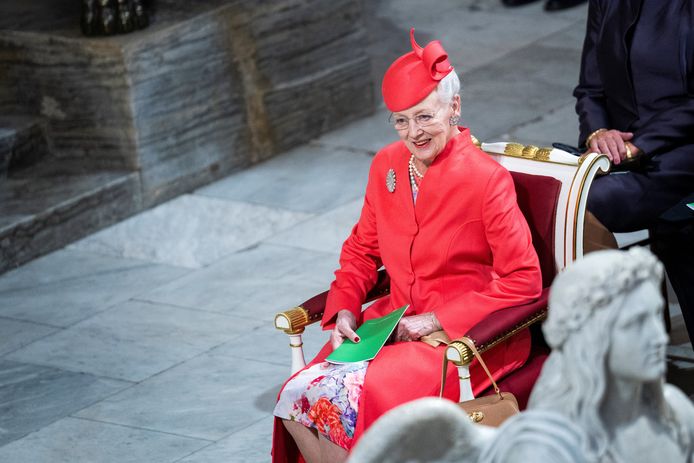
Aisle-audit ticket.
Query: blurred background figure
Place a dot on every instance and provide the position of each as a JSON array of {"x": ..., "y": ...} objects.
[
  {"x": 109, "y": 17},
  {"x": 634, "y": 102},
  {"x": 550, "y": 5}
]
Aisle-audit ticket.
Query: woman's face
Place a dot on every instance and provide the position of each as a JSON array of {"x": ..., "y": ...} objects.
[
  {"x": 428, "y": 141},
  {"x": 638, "y": 343}
]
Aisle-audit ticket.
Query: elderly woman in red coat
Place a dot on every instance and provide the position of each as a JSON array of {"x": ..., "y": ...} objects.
[{"x": 442, "y": 217}]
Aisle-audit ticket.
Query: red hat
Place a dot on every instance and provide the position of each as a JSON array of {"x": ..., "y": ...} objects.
[{"x": 414, "y": 75}]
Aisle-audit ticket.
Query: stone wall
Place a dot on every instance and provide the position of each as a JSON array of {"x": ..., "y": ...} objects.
[
  {"x": 211, "y": 86},
  {"x": 122, "y": 123}
]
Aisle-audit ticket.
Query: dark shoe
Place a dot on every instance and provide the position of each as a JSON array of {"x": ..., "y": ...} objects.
[
  {"x": 513, "y": 3},
  {"x": 557, "y": 5}
]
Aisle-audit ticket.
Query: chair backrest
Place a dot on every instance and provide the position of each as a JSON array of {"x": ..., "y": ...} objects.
[
  {"x": 538, "y": 196},
  {"x": 552, "y": 187}
]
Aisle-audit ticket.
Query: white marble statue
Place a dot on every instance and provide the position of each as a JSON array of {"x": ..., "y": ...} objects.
[
  {"x": 601, "y": 396},
  {"x": 428, "y": 430},
  {"x": 607, "y": 366},
  {"x": 433, "y": 430}
]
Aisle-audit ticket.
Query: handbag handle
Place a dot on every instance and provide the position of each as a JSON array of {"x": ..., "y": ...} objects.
[{"x": 471, "y": 345}]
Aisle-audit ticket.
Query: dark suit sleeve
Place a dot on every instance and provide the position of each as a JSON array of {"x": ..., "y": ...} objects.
[
  {"x": 590, "y": 94},
  {"x": 673, "y": 126},
  {"x": 670, "y": 127}
]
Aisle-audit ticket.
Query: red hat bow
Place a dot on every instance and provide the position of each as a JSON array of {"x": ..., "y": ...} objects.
[
  {"x": 413, "y": 76},
  {"x": 434, "y": 57}
]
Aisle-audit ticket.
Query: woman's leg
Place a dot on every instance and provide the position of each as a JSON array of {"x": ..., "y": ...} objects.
[
  {"x": 331, "y": 453},
  {"x": 306, "y": 439}
]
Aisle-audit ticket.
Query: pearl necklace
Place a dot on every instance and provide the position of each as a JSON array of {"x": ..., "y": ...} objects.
[{"x": 414, "y": 175}]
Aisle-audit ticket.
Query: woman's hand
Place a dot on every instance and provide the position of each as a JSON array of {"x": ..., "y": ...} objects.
[
  {"x": 345, "y": 325},
  {"x": 415, "y": 326},
  {"x": 613, "y": 143}
]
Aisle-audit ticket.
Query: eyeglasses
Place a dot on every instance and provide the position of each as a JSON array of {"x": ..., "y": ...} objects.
[{"x": 422, "y": 119}]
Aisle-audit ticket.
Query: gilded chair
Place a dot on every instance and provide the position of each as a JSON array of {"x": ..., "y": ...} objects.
[{"x": 552, "y": 188}]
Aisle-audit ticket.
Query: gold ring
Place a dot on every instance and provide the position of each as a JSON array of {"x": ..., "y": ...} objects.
[{"x": 629, "y": 154}]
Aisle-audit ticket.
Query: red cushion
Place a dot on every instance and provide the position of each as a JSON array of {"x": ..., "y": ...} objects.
[
  {"x": 316, "y": 305},
  {"x": 537, "y": 199},
  {"x": 506, "y": 320}
]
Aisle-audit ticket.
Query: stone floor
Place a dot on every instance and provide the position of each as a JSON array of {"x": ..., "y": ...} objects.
[{"x": 152, "y": 341}]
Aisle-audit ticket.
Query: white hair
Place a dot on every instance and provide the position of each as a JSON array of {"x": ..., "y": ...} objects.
[{"x": 448, "y": 87}]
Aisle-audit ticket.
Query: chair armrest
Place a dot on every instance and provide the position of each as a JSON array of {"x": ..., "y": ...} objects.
[
  {"x": 295, "y": 320},
  {"x": 498, "y": 327}
]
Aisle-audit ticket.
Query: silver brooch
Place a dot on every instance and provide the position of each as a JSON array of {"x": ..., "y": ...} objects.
[{"x": 390, "y": 180}]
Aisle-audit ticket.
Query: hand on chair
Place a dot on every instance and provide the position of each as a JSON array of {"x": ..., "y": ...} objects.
[
  {"x": 345, "y": 325},
  {"x": 415, "y": 326},
  {"x": 614, "y": 144}
]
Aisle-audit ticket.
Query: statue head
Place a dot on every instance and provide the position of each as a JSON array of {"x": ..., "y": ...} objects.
[
  {"x": 604, "y": 326},
  {"x": 604, "y": 301}
]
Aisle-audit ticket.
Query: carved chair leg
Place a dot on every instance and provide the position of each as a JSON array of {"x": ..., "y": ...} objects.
[
  {"x": 456, "y": 353},
  {"x": 465, "y": 384},
  {"x": 297, "y": 346}
]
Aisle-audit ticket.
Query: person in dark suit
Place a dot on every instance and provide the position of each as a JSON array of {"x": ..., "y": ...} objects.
[{"x": 635, "y": 102}]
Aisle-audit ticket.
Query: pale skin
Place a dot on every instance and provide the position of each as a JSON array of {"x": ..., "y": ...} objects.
[
  {"x": 425, "y": 143},
  {"x": 614, "y": 144}
]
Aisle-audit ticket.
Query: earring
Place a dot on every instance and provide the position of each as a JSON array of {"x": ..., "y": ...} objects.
[{"x": 454, "y": 120}]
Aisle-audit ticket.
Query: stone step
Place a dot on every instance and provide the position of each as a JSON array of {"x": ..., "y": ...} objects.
[
  {"x": 22, "y": 143},
  {"x": 49, "y": 205}
]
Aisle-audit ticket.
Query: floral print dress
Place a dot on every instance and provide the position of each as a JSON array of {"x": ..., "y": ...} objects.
[{"x": 325, "y": 397}]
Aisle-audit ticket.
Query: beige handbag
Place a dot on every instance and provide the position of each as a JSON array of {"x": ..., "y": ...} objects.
[{"x": 489, "y": 410}]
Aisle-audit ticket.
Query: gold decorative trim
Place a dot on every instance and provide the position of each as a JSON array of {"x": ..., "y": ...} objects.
[
  {"x": 566, "y": 218},
  {"x": 296, "y": 320},
  {"x": 313, "y": 318},
  {"x": 521, "y": 326},
  {"x": 296, "y": 345},
  {"x": 581, "y": 186},
  {"x": 531, "y": 152},
  {"x": 463, "y": 351},
  {"x": 527, "y": 151},
  {"x": 475, "y": 141},
  {"x": 514, "y": 149},
  {"x": 476, "y": 417},
  {"x": 466, "y": 354}
]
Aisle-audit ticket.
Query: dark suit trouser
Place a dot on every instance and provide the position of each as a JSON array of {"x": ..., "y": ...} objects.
[
  {"x": 631, "y": 201},
  {"x": 674, "y": 246}
]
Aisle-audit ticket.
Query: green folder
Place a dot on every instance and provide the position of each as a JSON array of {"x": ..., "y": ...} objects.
[{"x": 373, "y": 334}]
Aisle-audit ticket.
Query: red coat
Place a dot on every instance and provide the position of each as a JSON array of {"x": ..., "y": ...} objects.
[{"x": 464, "y": 250}]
